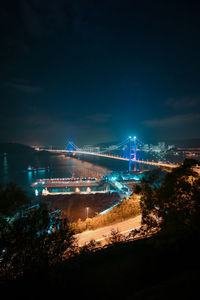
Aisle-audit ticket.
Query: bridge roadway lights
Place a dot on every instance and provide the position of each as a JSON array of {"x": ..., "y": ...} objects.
[{"x": 160, "y": 164}]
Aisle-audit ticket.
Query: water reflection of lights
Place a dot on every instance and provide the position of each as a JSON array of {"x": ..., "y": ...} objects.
[
  {"x": 5, "y": 169},
  {"x": 30, "y": 177},
  {"x": 86, "y": 169}
]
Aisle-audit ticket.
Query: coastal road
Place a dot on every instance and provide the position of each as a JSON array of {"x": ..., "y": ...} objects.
[{"x": 100, "y": 234}]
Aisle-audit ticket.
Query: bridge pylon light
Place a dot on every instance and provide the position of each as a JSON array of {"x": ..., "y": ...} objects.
[
  {"x": 132, "y": 139},
  {"x": 70, "y": 146},
  {"x": 129, "y": 166}
]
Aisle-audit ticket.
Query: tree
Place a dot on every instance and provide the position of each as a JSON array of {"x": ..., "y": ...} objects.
[
  {"x": 154, "y": 177},
  {"x": 173, "y": 208},
  {"x": 33, "y": 241},
  {"x": 12, "y": 199}
]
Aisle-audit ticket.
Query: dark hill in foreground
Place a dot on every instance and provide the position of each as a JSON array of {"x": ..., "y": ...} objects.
[{"x": 137, "y": 270}]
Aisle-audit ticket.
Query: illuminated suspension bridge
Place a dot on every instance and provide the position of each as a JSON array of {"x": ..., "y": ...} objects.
[{"x": 131, "y": 143}]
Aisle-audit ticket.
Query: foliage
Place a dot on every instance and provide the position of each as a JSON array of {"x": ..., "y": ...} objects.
[
  {"x": 12, "y": 198},
  {"x": 114, "y": 237},
  {"x": 32, "y": 241},
  {"x": 88, "y": 248},
  {"x": 154, "y": 177},
  {"x": 173, "y": 208},
  {"x": 124, "y": 210}
]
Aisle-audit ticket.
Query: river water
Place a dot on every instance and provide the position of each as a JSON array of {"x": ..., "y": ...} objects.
[{"x": 13, "y": 167}]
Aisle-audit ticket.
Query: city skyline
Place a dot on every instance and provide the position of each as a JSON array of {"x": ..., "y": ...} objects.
[{"x": 97, "y": 73}]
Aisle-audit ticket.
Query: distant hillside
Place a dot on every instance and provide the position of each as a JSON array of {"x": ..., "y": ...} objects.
[
  {"x": 178, "y": 143},
  {"x": 106, "y": 144},
  {"x": 188, "y": 143},
  {"x": 21, "y": 151},
  {"x": 13, "y": 148}
]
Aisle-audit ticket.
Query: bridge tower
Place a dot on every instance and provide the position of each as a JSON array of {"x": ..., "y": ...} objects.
[
  {"x": 70, "y": 146},
  {"x": 134, "y": 154},
  {"x": 130, "y": 150}
]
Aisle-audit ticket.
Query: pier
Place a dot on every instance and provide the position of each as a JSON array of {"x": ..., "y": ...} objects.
[
  {"x": 56, "y": 186},
  {"x": 91, "y": 185}
]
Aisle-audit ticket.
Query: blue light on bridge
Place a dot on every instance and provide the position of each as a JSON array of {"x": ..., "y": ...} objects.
[{"x": 70, "y": 146}]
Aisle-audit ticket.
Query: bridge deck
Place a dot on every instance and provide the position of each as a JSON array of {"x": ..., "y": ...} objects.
[{"x": 151, "y": 163}]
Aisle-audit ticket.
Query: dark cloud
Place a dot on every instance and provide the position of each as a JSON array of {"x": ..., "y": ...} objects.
[
  {"x": 99, "y": 118},
  {"x": 24, "y": 86},
  {"x": 35, "y": 19},
  {"x": 183, "y": 103},
  {"x": 41, "y": 19},
  {"x": 174, "y": 121}
]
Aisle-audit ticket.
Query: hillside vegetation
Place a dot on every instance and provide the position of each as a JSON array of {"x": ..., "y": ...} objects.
[{"x": 124, "y": 210}]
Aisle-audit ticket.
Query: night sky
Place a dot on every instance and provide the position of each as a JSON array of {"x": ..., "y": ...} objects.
[{"x": 99, "y": 71}]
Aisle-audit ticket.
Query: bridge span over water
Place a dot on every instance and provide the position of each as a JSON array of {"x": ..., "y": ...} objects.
[
  {"x": 128, "y": 152},
  {"x": 112, "y": 156}
]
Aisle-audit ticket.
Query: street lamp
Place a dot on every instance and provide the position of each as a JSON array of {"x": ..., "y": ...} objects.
[{"x": 87, "y": 208}]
